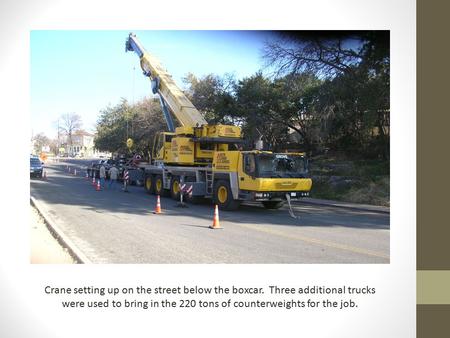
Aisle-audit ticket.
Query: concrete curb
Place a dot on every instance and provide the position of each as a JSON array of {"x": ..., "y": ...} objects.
[
  {"x": 345, "y": 205},
  {"x": 76, "y": 253}
]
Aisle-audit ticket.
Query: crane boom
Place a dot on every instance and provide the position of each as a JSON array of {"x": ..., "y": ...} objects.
[{"x": 162, "y": 83}]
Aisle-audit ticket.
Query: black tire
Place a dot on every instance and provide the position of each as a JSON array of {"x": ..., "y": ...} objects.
[
  {"x": 149, "y": 185},
  {"x": 273, "y": 204},
  {"x": 223, "y": 196},
  {"x": 175, "y": 188}
]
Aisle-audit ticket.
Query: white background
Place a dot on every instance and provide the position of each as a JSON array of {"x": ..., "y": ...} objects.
[{"x": 27, "y": 312}]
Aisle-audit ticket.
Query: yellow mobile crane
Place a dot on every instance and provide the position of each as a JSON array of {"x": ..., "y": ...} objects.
[{"x": 205, "y": 158}]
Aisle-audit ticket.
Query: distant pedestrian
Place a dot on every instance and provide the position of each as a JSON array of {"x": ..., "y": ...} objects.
[
  {"x": 113, "y": 175},
  {"x": 102, "y": 176}
]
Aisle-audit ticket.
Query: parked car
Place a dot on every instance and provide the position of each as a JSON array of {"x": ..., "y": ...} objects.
[{"x": 36, "y": 167}]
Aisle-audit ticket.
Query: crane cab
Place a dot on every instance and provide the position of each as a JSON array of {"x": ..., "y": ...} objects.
[
  {"x": 161, "y": 147},
  {"x": 194, "y": 145}
]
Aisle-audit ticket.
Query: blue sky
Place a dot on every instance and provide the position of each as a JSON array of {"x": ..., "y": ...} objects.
[{"x": 85, "y": 71}]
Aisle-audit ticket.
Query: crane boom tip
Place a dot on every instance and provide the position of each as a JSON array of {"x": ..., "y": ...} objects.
[{"x": 128, "y": 47}]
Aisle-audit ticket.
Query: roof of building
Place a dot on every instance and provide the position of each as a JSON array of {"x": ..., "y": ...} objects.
[{"x": 82, "y": 133}]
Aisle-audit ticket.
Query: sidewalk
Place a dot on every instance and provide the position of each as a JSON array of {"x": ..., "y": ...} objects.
[
  {"x": 56, "y": 234},
  {"x": 347, "y": 205},
  {"x": 45, "y": 248}
]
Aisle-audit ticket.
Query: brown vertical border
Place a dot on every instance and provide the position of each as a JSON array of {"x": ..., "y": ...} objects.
[
  {"x": 433, "y": 135},
  {"x": 433, "y": 153},
  {"x": 433, "y": 321}
]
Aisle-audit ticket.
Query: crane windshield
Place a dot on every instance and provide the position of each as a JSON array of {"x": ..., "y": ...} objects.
[{"x": 281, "y": 166}]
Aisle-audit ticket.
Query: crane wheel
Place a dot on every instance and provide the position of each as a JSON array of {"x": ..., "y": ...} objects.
[
  {"x": 159, "y": 187},
  {"x": 223, "y": 196},
  {"x": 175, "y": 188},
  {"x": 149, "y": 184}
]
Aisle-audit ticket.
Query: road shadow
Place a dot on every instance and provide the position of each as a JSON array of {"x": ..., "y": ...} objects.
[{"x": 62, "y": 187}]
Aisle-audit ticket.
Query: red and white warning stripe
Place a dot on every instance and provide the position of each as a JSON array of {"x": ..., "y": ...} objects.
[
  {"x": 183, "y": 187},
  {"x": 185, "y": 190}
]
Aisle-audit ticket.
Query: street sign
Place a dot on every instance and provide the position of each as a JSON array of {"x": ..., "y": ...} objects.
[{"x": 130, "y": 143}]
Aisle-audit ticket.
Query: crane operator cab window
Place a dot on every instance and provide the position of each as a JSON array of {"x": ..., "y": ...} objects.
[
  {"x": 250, "y": 164},
  {"x": 158, "y": 143},
  {"x": 160, "y": 140}
]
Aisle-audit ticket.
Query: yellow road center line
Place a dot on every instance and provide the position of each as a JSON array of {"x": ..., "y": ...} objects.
[{"x": 318, "y": 241}]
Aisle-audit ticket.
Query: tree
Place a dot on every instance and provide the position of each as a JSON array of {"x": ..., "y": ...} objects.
[
  {"x": 352, "y": 103},
  {"x": 69, "y": 123},
  {"x": 326, "y": 54},
  {"x": 40, "y": 140},
  {"x": 264, "y": 108},
  {"x": 54, "y": 146},
  {"x": 140, "y": 122},
  {"x": 292, "y": 93},
  {"x": 256, "y": 101},
  {"x": 111, "y": 128},
  {"x": 213, "y": 96},
  {"x": 147, "y": 122}
]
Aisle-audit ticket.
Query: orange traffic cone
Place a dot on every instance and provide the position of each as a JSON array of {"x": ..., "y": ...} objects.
[
  {"x": 93, "y": 181},
  {"x": 97, "y": 187},
  {"x": 158, "y": 206},
  {"x": 87, "y": 176},
  {"x": 216, "y": 223}
]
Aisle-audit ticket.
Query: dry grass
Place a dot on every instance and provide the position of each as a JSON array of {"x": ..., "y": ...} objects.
[{"x": 364, "y": 181}]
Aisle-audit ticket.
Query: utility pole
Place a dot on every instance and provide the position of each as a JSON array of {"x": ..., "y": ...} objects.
[
  {"x": 57, "y": 143},
  {"x": 132, "y": 90},
  {"x": 134, "y": 75},
  {"x": 127, "y": 116}
]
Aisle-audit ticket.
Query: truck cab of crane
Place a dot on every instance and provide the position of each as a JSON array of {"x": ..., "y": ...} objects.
[
  {"x": 262, "y": 176},
  {"x": 265, "y": 164},
  {"x": 269, "y": 176}
]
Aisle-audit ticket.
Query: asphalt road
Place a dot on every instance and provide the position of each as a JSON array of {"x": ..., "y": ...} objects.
[{"x": 111, "y": 226}]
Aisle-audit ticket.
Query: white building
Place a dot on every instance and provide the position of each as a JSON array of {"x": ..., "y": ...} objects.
[{"x": 82, "y": 144}]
